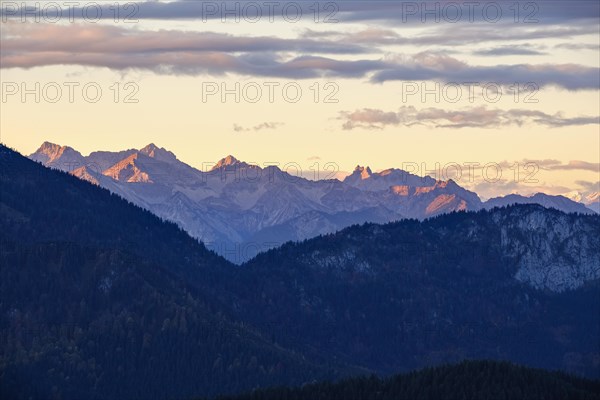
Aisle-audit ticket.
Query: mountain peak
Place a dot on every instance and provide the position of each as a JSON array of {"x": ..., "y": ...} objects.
[
  {"x": 150, "y": 147},
  {"x": 50, "y": 148},
  {"x": 48, "y": 145},
  {"x": 365, "y": 172},
  {"x": 159, "y": 153},
  {"x": 228, "y": 161},
  {"x": 49, "y": 153}
]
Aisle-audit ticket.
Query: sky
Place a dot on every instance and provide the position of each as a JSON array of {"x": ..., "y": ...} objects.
[{"x": 503, "y": 96}]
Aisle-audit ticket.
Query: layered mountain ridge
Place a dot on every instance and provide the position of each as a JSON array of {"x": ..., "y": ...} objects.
[
  {"x": 239, "y": 209},
  {"x": 103, "y": 300}
]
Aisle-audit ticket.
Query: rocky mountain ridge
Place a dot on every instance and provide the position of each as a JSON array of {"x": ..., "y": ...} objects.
[{"x": 239, "y": 209}]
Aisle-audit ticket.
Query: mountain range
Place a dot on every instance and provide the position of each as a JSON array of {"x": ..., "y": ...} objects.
[
  {"x": 238, "y": 209},
  {"x": 102, "y": 299}
]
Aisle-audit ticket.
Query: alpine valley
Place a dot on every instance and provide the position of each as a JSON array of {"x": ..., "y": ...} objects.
[{"x": 107, "y": 293}]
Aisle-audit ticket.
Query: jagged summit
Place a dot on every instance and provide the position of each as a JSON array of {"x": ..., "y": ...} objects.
[
  {"x": 364, "y": 172},
  {"x": 159, "y": 153},
  {"x": 48, "y": 145},
  {"x": 229, "y": 161},
  {"x": 49, "y": 153},
  {"x": 149, "y": 148},
  {"x": 51, "y": 149}
]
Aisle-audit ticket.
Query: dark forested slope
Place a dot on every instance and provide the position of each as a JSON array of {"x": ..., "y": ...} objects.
[
  {"x": 100, "y": 299},
  {"x": 518, "y": 283},
  {"x": 464, "y": 381}
]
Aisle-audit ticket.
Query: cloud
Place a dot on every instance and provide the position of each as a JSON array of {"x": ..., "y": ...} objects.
[
  {"x": 176, "y": 52},
  {"x": 577, "y": 46},
  {"x": 502, "y": 187},
  {"x": 194, "y": 53},
  {"x": 579, "y": 165},
  {"x": 475, "y": 117},
  {"x": 589, "y": 187},
  {"x": 440, "y": 67},
  {"x": 103, "y": 39},
  {"x": 491, "y": 178},
  {"x": 259, "y": 127},
  {"x": 448, "y": 35},
  {"x": 508, "y": 51},
  {"x": 556, "y": 165},
  {"x": 356, "y": 11},
  {"x": 369, "y": 118},
  {"x": 550, "y": 12}
]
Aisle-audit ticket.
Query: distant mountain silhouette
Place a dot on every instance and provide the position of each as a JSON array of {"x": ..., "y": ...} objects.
[{"x": 239, "y": 209}]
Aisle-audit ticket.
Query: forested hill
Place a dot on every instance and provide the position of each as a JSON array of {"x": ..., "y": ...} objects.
[
  {"x": 519, "y": 283},
  {"x": 468, "y": 380},
  {"x": 100, "y": 299}
]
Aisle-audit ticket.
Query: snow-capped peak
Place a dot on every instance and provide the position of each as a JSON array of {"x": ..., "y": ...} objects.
[{"x": 574, "y": 195}]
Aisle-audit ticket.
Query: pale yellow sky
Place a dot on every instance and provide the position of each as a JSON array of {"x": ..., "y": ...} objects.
[{"x": 171, "y": 112}]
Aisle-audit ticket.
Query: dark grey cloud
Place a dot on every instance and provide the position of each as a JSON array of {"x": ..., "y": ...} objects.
[
  {"x": 193, "y": 53},
  {"x": 577, "y": 46},
  {"x": 440, "y": 67},
  {"x": 393, "y": 12},
  {"x": 176, "y": 52},
  {"x": 589, "y": 186},
  {"x": 475, "y": 117},
  {"x": 82, "y": 38},
  {"x": 531, "y": 13},
  {"x": 509, "y": 51}
]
